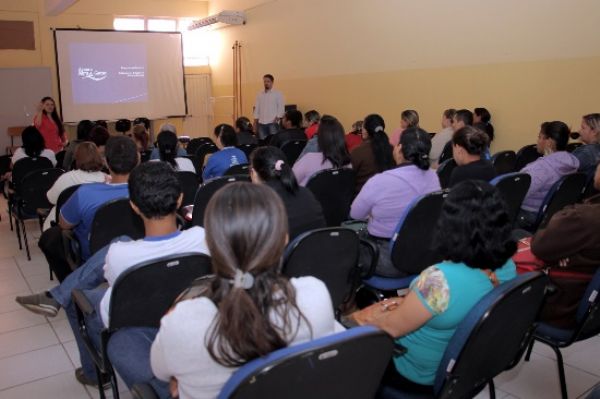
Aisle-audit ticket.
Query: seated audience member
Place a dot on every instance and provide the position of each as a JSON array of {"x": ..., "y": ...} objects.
[
  {"x": 140, "y": 136},
  {"x": 207, "y": 335},
  {"x": 78, "y": 212},
  {"x": 244, "y": 130},
  {"x": 292, "y": 130},
  {"x": 482, "y": 120},
  {"x": 88, "y": 169},
  {"x": 384, "y": 197},
  {"x": 468, "y": 147},
  {"x": 462, "y": 118},
  {"x": 227, "y": 156},
  {"x": 425, "y": 319},
  {"x": 33, "y": 146},
  {"x": 332, "y": 154},
  {"x": 171, "y": 128},
  {"x": 555, "y": 163},
  {"x": 408, "y": 118},
  {"x": 311, "y": 120},
  {"x": 269, "y": 166},
  {"x": 442, "y": 137},
  {"x": 589, "y": 153},
  {"x": 570, "y": 242},
  {"x": 354, "y": 138},
  {"x": 99, "y": 135},
  {"x": 167, "y": 149},
  {"x": 84, "y": 128},
  {"x": 155, "y": 195},
  {"x": 374, "y": 155}
]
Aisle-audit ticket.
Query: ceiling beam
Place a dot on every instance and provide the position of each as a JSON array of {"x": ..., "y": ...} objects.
[{"x": 57, "y": 7}]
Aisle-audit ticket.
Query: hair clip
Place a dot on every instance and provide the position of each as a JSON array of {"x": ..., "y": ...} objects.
[
  {"x": 378, "y": 129},
  {"x": 278, "y": 164},
  {"x": 242, "y": 279}
]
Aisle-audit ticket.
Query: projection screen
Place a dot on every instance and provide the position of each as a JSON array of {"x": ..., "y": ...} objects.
[{"x": 113, "y": 74}]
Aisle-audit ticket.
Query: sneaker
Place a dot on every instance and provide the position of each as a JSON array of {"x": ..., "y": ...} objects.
[
  {"x": 41, "y": 303},
  {"x": 81, "y": 377}
]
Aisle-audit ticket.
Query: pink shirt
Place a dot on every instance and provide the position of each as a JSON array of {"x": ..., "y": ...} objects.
[
  {"x": 49, "y": 131},
  {"x": 395, "y": 137}
]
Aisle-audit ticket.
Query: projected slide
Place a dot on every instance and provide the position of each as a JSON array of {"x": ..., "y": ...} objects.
[{"x": 108, "y": 73}]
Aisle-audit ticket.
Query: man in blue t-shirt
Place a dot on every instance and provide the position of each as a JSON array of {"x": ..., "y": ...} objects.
[
  {"x": 78, "y": 212},
  {"x": 228, "y": 156}
]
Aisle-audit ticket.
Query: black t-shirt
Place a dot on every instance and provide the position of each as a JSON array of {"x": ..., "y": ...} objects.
[
  {"x": 478, "y": 170},
  {"x": 303, "y": 210}
]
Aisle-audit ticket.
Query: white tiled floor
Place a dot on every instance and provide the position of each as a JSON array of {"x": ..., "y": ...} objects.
[{"x": 38, "y": 356}]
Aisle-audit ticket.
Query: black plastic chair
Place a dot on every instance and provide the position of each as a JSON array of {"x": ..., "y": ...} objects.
[
  {"x": 525, "y": 156},
  {"x": 482, "y": 346},
  {"x": 573, "y": 146},
  {"x": 446, "y": 153},
  {"x": 444, "y": 172},
  {"x": 588, "y": 325},
  {"x": 60, "y": 157},
  {"x": 189, "y": 185},
  {"x": 504, "y": 162},
  {"x": 513, "y": 187},
  {"x": 589, "y": 190},
  {"x": 329, "y": 254},
  {"x": 292, "y": 149},
  {"x": 205, "y": 193},
  {"x": 241, "y": 169},
  {"x": 145, "y": 156},
  {"x": 113, "y": 219},
  {"x": 346, "y": 365},
  {"x": 334, "y": 189},
  {"x": 196, "y": 163},
  {"x": 4, "y": 168},
  {"x": 204, "y": 150},
  {"x": 196, "y": 142},
  {"x": 140, "y": 297},
  {"x": 247, "y": 149},
  {"x": 30, "y": 195}
]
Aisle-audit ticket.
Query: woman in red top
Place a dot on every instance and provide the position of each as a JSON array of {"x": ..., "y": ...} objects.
[{"x": 49, "y": 124}]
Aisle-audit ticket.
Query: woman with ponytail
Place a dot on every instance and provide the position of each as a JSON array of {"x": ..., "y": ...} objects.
[
  {"x": 246, "y": 309},
  {"x": 268, "y": 165},
  {"x": 374, "y": 155},
  {"x": 167, "y": 150},
  {"x": 384, "y": 198}
]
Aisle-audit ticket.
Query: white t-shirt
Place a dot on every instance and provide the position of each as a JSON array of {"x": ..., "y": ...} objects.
[
  {"x": 269, "y": 105},
  {"x": 65, "y": 181},
  {"x": 179, "y": 349},
  {"x": 20, "y": 154},
  {"x": 123, "y": 255},
  {"x": 438, "y": 142},
  {"x": 183, "y": 164}
]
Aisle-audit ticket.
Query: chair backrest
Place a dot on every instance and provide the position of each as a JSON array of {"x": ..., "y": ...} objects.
[
  {"x": 566, "y": 191},
  {"x": 195, "y": 143},
  {"x": 64, "y": 197},
  {"x": 410, "y": 246},
  {"x": 144, "y": 293},
  {"x": 247, "y": 149},
  {"x": 292, "y": 149},
  {"x": 346, "y": 365},
  {"x": 588, "y": 312},
  {"x": 482, "y": 347},
  {"x": 196, "y": 163},
  {"x": 240, "y": 169},
  {"x": 513, "y": 188},
  {"x": 205, "y": 149},
  {"x": 145, "y": 155},
  {"x": 34, "y": 186},
  {"x": 526, "y": 155},
  {"x": 60, "y": 157},
  {"x": 334, "y": 189},
  {"x": 205, "y": 193},
  {"x": 444, "y": 172},
  {"x": 589, "y": 189},
  {"x": 25, "y": 165},
  {"x": 189, "y": 185},
  {"x": 504, "y": 162},
  {"x": 446, "y": 153},
  {"x": 113, "y": 219},
  {"x": 329, "y": 254},
  {"x": 573, "y": 146},
  {"x": 4, "y": 164}
]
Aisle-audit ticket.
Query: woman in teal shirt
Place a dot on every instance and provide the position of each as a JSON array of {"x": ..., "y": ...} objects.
[{"x": 473, "y": 235}]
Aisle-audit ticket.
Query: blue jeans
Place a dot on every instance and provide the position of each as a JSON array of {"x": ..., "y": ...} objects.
[{"x": 267, "y": 129}]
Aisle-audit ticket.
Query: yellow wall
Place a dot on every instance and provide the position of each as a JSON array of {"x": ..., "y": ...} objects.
[
  {"x": 525, "y": 61},
  {"x": 87, "y": 14}
]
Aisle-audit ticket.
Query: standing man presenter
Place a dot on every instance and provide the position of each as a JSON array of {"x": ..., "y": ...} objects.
[{"x": 268, "y": 109}]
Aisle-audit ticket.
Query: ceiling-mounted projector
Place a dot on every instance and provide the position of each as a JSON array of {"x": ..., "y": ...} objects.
[{"x": 222, "y": 18}]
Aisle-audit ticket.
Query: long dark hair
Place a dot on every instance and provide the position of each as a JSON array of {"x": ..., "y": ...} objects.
[
  {"x": 167, "y": 147},
  {"x": 246, "y": 229},
  {"x": 332, "y": 144},
  {"x": 33, "y": 141},
  {"x": 380, "y": 143},
  {"x": 416, "y": 145},
  {"x": 54, "y": 116},
  {"x": 270, "y": 163}
]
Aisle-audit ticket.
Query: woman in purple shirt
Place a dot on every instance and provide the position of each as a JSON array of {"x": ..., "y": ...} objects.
[{"x": 385, "y": 196}]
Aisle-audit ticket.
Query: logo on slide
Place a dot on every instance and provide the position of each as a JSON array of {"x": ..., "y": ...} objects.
[{"x": 91, "y": 73}]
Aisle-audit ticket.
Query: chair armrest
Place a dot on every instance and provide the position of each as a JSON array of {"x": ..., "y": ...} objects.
[
  {"x": 71, "y": 248},
  {"x": 143, "y": 391},
  {"x": 82, "y": 302},
  {"x": 367, "y": 272}
]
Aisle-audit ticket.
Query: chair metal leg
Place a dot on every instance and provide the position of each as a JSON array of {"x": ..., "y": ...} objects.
[
  {"x": 529, "y": 348},
  {"x": 25, "y": 239},
  {"x": 100, "y": 385},
  {"x": 18, "y": 233},
  {"x": 561, "y": 372},
  {"x": 113, "y": 385},
  {"x": 492, "y": 389}
]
